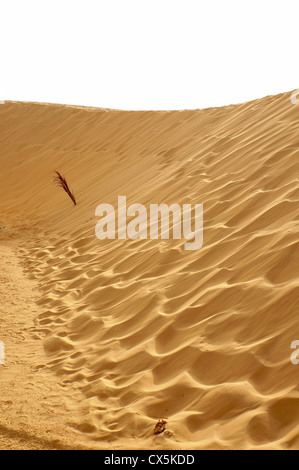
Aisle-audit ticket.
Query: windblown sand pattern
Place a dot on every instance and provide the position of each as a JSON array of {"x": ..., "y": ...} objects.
[{"x": 133, "y": 331}]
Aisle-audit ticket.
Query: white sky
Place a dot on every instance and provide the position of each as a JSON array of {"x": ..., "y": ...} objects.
[{"x": 148, "y": 54}]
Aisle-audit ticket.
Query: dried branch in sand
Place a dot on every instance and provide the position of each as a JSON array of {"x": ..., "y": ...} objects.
[{"x": 61, "y": 181}]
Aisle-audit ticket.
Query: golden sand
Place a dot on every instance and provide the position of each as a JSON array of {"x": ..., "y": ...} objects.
[{"x": 105, "y": 338}]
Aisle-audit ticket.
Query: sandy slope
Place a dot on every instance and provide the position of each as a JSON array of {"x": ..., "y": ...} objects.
[
  {"x": 33, "y": 405},
  {"x": 134, "y": 331}
]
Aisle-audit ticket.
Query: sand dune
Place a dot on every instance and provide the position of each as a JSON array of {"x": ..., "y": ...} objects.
[{"x": 117, "y": 334}]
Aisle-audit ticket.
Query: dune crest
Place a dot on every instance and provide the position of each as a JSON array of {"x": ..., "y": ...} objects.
[{"x": 143, "y": 330}]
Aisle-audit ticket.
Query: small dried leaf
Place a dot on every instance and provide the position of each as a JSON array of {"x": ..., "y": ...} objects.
[{"x": 160, "y": 426}]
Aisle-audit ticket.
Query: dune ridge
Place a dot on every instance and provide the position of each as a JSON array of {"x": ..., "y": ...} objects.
[{"x": 142, "y": 329}]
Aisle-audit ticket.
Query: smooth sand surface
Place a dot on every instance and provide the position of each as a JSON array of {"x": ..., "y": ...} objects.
[{"x": 104, "y": 338}]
